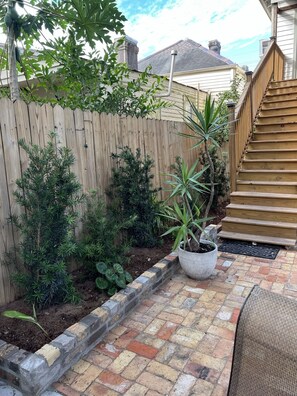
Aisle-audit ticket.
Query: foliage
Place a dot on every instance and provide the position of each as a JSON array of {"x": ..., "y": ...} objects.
[
  {"x": 99, "y": 83},
  {"x": 103, "y": 237},
  {"x": 69, "y": 75},
  {"x": 132, "y": 194},
  {"x": 112, "y": 277},
  {"x": 185, "y": 213},
  {"x": 233, "y": 95},
  {"x": 47, "y": 192},
  {"x": 190, "y": 219},
  {"x": 27, "y": 318}
]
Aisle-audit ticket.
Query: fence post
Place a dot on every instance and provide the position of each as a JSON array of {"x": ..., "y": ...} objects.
[{"x": 232, "y": 145}]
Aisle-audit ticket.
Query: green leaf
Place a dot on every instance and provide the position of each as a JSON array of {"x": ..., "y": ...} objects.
[
  {"x": 128, "y": 277},
  {"x": 101, "y": 268},
  {"x": 101, "y": 283},
  {"x": 18, "y": 315},
  {"x": 118, "y": 268}
]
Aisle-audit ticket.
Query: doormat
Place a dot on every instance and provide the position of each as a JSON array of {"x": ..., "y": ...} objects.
[{"x": 250, "y": 249}]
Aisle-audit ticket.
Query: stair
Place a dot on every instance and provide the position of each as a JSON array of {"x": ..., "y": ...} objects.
[{"x": 264, "y": 206}]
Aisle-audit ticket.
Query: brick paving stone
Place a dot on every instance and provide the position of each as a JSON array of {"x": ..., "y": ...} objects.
[
  {"x": 155, "y": 383},
  {"x": 179, "y": 341},
  {"x": 187, "y": 337},
  {"x": 121, "y": 362},
  {"x": 82, "y": 381},
  {"x": 202, "y": 388},
  {"x": 142, "y": 349},
  {"x": 183, "y": 385},
  {"x": 114, "y": 381},
  {"x": 162, "y": 370},
  {"x": 136, "y": 390},
  {"x": 135, "y": 368},
  {"x": 96, "y": 389}
]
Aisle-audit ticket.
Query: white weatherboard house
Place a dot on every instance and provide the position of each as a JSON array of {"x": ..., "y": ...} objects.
[
  {"x": 283, "y": 15},
  {"x": 196, "y": 66}
]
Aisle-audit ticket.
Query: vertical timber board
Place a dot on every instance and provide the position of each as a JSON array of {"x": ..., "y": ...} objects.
[
  {"x": 59, "y": 126},
  {"x": 116, "y": 126},
  {"x": 97, "y": 149},
  {"x": 35, "y": 122},
  {"x": 10, "y": 172},
  {"x": 112, "y": 144},
  {"x": 78, "y": 148},
  {"x": 47, "y": 123},
  {"x": 89, "y": 148},
  {"x": 154, "y": 151},
  {"x": 102, "y": 151},
  {"x": 23, "y": 129}
]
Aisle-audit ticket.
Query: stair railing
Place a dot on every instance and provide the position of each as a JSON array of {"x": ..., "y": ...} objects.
[{"x": 270, "y": 67}]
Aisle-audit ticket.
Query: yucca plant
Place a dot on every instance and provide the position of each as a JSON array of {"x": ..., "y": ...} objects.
[{"x": 187, "y": 213}]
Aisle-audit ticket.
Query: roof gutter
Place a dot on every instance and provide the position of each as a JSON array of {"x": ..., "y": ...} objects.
[{"x": 266, "y": 4}]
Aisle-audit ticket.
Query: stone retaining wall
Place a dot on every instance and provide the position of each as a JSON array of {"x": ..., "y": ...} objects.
[{"x": 33, "y": 373}]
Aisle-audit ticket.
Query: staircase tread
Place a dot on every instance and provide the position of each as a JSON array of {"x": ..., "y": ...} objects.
[
  {"x": 267, "y": 183},
  {"x": 275, "y": 115},
  {"x": 262, "y": 195},
  {"x": 271, "y": 160},
  {"x": 273, "y": 141},
  {"x": 278, "y": 100},
  {"x": 262, "y": 208},
  {"x": 267, "y": 171},
  {"x": 276, "y": 123},
  {"x": 276, "y": 132},
  {"x": 257, "y": 238},
  {"x": 275, "y": 224},
  {"x": 271, "y": 150}
]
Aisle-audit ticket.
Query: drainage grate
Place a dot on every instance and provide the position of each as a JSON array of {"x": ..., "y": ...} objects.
[{"x": 250, "y": 249}]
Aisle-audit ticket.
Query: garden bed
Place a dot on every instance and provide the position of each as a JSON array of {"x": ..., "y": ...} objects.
[{"x": 56, "y": 319}]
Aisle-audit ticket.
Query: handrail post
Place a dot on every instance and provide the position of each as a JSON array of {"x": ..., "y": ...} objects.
[
  {"x": 249, "y": 79},
  {"x": 232, "y": 153}
]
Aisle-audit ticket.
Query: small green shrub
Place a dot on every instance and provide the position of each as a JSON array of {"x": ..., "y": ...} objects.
[
  {"x": 47, "y": 192},
  {"x": 103, "y": 236},
  {"x": 112, "y": 278},
  {"x": 132, "y": 194},
  {"x": 27, "y": 318}
]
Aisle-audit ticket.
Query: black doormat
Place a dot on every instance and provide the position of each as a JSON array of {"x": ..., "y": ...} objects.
[{"x": 250, "y": 249}]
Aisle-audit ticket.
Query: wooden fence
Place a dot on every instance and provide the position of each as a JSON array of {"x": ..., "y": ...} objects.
[{"x": 92, "y": 137}]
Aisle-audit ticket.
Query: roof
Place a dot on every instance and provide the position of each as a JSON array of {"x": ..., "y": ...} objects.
[
  {"x": 190, "y": 56},
  {"x": 266, "y": 4}
]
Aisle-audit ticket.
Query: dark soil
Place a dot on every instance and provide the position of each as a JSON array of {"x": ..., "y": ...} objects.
[{"x": 56, "y": 319}]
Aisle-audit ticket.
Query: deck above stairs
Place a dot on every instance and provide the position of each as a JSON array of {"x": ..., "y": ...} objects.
[{"x": 264, "y": 206}]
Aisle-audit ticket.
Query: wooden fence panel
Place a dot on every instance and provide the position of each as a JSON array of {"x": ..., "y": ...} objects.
[{"x": 92, "y": 137}]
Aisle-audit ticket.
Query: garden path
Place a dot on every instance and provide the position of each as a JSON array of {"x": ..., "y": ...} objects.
[{"x": 179, "y": 341}]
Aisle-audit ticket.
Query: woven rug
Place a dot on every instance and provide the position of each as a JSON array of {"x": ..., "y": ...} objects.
[{"x": 250, "y": 249}]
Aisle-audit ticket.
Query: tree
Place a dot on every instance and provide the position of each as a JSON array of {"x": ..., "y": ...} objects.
[
  {"x": 85, "y": 21},
  {"x": 71, "y": 76}
]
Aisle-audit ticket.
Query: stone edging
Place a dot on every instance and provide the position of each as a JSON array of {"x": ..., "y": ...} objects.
[{"x": 33, "y": 373}]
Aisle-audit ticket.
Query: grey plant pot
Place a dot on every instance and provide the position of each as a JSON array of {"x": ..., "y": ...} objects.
[{"x": 198, "y": 265}]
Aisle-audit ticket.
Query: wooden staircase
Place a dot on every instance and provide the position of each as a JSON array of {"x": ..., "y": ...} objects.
[{"x": 263, "y": 206}]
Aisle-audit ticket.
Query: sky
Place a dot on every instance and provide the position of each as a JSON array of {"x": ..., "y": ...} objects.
[{"x": 239, "y": 25}]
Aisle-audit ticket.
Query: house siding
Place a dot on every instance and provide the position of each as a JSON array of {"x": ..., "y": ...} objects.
[
  {"x": 213, "y": 82},
  {"x": 286, "y": 40}
]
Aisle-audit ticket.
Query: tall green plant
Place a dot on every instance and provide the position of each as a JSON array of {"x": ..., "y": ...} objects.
[
  {"x": 133, "y": 195},
  {"x": 47, "y": 192},
  {"x": 103, "y": 236}
]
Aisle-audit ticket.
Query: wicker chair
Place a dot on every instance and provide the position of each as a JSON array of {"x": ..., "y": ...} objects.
[{"x": 265, "y": 348}]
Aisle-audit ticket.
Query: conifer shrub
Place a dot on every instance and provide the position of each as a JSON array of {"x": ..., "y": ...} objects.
[
  {"x": 132, "y": 195},
  {"x": 48, "y": 193},
  {"x": 103, "y": 237}
]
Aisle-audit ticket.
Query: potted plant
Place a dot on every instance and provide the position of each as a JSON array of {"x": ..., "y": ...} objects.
[{"x": 197, "y": 256}]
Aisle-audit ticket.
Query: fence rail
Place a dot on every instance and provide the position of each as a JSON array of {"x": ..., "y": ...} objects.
[{"x": 92, "y": 137}]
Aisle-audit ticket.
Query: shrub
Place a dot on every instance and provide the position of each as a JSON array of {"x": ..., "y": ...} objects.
[
  {"x": 132, "y": 194},
  {"x": 112, "y": 278},
  {"x": 47, "y": 192},
  {"x": 102, "y": 235}
]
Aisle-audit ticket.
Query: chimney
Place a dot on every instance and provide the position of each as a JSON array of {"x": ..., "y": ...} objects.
[
  {"x": 128, "y": 52},
  {"x": 215, "y": 45}
]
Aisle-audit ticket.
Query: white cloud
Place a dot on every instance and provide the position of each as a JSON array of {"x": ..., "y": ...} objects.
[{"x": 228, "y": 21}]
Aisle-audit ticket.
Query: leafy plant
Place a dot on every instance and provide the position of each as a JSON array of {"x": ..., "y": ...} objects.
[
  {"x": 27, "y": 318},
  {"x": 189, "y": 217},
  {"x": 112, "y": 278},
  {"x": 132, "y": 195},
  {"x": 185, "y": 213},
  {"x": 103, "y": 235},
  {"x": 47, "y": 192}
]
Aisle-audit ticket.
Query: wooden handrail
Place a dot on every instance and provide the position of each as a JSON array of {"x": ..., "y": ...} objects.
[{"x": 270, "y": 67}]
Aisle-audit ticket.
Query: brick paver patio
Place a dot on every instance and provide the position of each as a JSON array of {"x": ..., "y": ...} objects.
[{"x": 180, "y": 340}]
